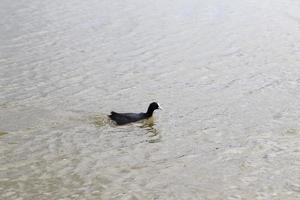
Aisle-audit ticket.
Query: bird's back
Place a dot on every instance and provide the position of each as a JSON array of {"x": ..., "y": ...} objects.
[{"x": 125, "y": 118}]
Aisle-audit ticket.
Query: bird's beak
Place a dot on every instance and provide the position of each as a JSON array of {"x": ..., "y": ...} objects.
[{"x": 160, "y": 108}]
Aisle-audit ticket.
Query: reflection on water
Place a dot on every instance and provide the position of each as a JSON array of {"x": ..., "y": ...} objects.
[{"x": 152, "y": 132}]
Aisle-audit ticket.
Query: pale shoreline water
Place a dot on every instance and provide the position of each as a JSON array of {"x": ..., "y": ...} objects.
[{"x": 226, "y": 73}]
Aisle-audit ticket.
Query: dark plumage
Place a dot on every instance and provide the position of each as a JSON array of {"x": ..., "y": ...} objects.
[{"x": 125, "y": 118}]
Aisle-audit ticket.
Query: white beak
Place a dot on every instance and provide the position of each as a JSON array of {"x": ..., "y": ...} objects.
[{"x": 159, "y": 107}]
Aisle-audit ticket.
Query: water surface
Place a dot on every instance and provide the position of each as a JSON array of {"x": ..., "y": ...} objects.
[{"x": 226, "y": 73}]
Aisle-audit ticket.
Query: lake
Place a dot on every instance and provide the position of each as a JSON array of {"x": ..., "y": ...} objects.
[{"x": 227, "y": 74}]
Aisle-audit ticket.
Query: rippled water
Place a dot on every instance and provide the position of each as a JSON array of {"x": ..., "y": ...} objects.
[{"x": 226, "y": 72}]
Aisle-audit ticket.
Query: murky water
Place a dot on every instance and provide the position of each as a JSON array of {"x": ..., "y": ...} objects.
[{"x": 226, "y": 72}]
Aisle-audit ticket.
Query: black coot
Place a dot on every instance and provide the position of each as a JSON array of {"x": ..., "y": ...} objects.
[{"x": 125, "y": 118}]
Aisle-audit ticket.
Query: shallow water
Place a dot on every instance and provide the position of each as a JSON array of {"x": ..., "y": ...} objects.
[{"x": 226, "y": 73}]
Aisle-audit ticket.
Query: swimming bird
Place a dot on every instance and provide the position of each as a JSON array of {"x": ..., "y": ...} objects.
[{"x": 125, "y": 118}]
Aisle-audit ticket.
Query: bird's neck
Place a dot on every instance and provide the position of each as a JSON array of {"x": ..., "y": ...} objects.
[{"x": 149, "y": 112}]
